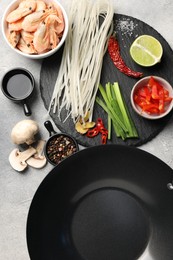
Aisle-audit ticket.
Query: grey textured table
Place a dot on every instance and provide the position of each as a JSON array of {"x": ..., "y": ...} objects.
[{"x": 17, "y": 190}]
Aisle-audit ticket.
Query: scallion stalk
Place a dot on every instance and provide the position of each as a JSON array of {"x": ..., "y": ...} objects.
[
  {"x": 112, "y": 113},
  {"x": 118, "y": 115}
]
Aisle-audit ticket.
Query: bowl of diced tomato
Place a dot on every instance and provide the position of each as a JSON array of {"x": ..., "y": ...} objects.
[{"x": 152, "y": 97}]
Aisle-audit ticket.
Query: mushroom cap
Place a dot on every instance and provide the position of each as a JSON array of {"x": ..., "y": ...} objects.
[{"x": 24, "y": 132}]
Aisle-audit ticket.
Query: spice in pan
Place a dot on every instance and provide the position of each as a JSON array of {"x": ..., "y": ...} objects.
[{"x": 59, "y": 148}]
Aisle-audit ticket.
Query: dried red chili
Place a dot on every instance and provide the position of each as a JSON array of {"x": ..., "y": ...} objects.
[{"x": 114, "y": 52}]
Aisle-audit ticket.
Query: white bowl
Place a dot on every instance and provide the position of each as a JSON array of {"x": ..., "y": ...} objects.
[
  {"x": 12, "y": 6},
  {"x": 142, "y": 82}
]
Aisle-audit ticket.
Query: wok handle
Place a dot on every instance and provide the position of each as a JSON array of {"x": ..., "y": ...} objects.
[
  {"x": 49, "y": 127},
  {"x": 170, "y": 185}
]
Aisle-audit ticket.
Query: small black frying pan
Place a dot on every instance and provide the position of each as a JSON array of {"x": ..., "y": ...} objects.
[
  {"x": 18, "y": 85},
  {"x": 59, "y": 145}
]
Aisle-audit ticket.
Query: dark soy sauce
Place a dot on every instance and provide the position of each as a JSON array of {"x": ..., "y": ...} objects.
[{"x": 19, "y": 86}]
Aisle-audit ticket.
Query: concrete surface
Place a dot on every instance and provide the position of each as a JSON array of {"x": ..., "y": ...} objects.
[{"x": 17, "y": 189}]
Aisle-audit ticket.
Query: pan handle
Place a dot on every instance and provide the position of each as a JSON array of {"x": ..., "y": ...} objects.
[
  {"x": 26, "y": 109},
  {"x": 49, "y": 127}
]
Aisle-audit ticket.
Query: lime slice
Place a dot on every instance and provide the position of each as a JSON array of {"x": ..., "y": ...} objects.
[{"x": 146, "y": 50}]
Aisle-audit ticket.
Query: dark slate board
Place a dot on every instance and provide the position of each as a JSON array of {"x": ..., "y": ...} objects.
[{"x": 127, "y": 29}]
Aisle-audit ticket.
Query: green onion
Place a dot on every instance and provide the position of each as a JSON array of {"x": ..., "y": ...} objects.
[
  {"x": 109, "y": 127},
  {"x": 110, "y": 110},
  {"x": 118, "y": 115}
]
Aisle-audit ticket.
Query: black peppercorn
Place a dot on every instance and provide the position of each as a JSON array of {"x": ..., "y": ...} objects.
[{"x": 60, "y": 147}]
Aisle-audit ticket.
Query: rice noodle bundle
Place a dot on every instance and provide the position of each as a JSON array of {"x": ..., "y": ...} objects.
[{"x": 80, "y": 70}]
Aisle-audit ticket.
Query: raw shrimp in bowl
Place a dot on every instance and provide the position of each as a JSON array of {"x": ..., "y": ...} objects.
[{"x": 35, "y": 28}]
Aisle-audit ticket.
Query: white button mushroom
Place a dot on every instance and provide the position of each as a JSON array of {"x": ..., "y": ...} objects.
[
  {"x": 18, "y": 159},
  {"x": 38, "y": 160},
  {"x": 24, "y": 132}
]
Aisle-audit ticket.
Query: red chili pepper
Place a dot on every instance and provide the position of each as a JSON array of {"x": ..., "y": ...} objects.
[
  {"x": 99, "y": 123},
  {"x": 155, "y": 92},
  {"x": 152, "y": 98},
  {"x": 99, "y": 128},
  {"x": 93, "y": 132},
  {"x": 104, "y": 138},
  {"x": 103, "y": 130},
  {"x": 147, "y": 93},
  {"x": 114, "y": 52}
]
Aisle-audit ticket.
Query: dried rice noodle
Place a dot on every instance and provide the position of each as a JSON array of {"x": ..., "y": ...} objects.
[{"x": 80, "y": 70}]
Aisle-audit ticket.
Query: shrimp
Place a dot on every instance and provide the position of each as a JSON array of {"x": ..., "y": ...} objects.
[
  {"x": 24, "y": 9},
  {"x": 32, "y": 21},
  {"x": 13, "y": 38},
  {"x": 26, "y": 48},
  {"x": 59, "y": 13},
  {"x": 40, "y": 5},
  {"x": 41, "y": 38},
  {"x": 16, "y": 26},
  {"x": 27, "y": 36},
  {"x": 51, "y": 6},
  {"x": 26, "y": 3},
  {"x": 60, "y": 25},
  {"x": 51, "y": 21}
]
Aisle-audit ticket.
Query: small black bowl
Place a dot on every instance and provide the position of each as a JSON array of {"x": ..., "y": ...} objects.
[
  {"x": 18, "y": 85},
  {"x": 59, "y": 146}
]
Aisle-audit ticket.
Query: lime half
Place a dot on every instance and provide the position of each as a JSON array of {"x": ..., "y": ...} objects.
[{"x": 146, "y": 50}]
